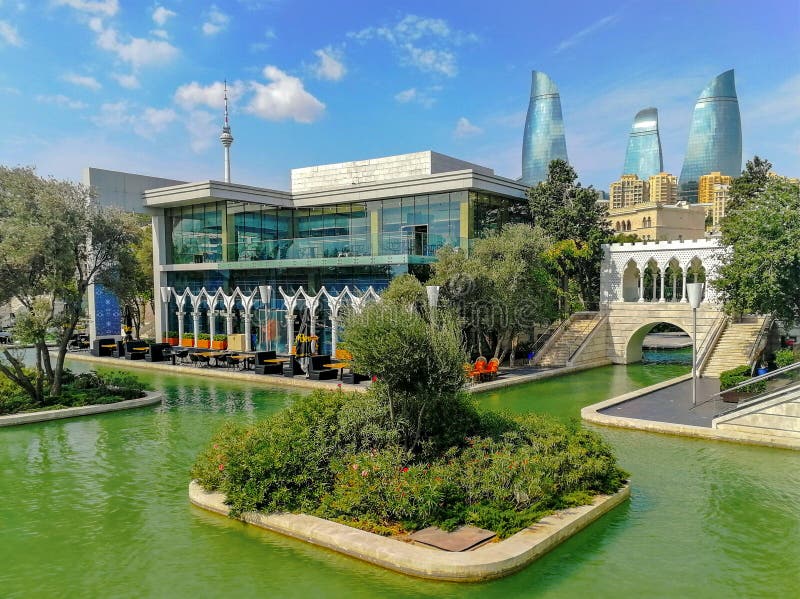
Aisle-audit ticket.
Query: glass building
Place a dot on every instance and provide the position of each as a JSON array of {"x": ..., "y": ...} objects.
[
  {"x": 355, "y": 224},
  {"x": 543, "y": 140},
  {"x": 643, "y": 157},
  {"x": 715, "y": 136}
]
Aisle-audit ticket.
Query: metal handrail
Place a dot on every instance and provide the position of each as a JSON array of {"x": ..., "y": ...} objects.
[
  {"x": 710, "y": 342},
  {"x": 764, "y": 395},
  {"x": 752, "y": 381},
  {"x": 766, "y": 326},
  {"x": 589, "y": 334},
  {"x": 537, "y": 349}
]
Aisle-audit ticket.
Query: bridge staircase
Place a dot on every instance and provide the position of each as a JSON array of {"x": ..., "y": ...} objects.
[
  {"x": 569, "y": 337},
  {"x": 740, "y": 343}
]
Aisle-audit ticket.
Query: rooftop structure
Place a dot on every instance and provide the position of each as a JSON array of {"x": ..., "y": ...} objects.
[
  {"x": 643, "y": 157},
  {"x": 715, "y": 136},
  {"x": 543, "y": 140}
]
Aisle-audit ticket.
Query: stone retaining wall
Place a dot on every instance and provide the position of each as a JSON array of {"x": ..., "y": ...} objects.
[{"x": 44, "y": 415}]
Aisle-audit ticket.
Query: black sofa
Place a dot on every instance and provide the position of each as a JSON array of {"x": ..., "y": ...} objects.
[
  {"x": 100, "y": 351},
  {"x": 134, "y": 351},
  {"x": 292, "y": 367},
  {"x": 318, "y": 372},
  {"x": 263, "y": 368},
  {"x": 160, "y": 352},
  {"x": 353, "y": 378}
]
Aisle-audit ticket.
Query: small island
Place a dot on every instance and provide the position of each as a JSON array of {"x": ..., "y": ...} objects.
[{"x": 410, "y": 454}]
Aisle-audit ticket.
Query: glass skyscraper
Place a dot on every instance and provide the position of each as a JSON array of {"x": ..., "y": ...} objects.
[
  {"x": 543, "y": 140},
  {"x": 643, "y": 157},
  {"x": 715, "y": 136}
]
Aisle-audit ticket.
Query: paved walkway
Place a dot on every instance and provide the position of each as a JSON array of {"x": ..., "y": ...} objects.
[{"x": 672, "y": 404}]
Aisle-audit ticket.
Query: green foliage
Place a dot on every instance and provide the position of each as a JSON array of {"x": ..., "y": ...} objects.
[
  {"x": 737, "y": 376},
  {"x": 786, "y": 357},
  {"x": 502, "y": 289},
  {"x": 326, "y": 455},
  {"x": 203, "y": 337},
  {"x": 761, "y": 274},
  {"x": 188, "y": 336},
  {"x": 406, "y": 290},
  {"x": 566, "y": 211},
  {"x": 172, "y": 334},
  {"x": 217, "y": 337}
]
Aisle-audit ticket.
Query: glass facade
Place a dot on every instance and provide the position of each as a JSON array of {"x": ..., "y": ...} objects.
[
  {"x": 715, "y": 136},
  {"x": 404, "y": 226},
  {"x": 643, "y": 157},
  {"x": 543, "y": 140}
]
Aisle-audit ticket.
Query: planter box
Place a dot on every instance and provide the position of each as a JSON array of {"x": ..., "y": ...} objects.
[
  {"x": 171, "y": 340},
  {"x": 203, "y": 343},
  {"x": 219, "y": 345},
  {"x": 187, "y": 342}
]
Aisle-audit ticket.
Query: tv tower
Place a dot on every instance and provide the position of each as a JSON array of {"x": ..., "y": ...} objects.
[{"x": 226, "y": 138}]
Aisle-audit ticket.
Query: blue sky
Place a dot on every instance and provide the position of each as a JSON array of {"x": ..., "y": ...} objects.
[{"x": 136, "y": 86}]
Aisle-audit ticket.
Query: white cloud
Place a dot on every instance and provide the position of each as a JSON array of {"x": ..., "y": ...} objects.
[
  {"x": 61, "y": 100},
  {"x": 426, "y": 44},
  {"x": 269, "y": 37},
  {"x": 202, "y": 127},
  {"x": 161, "y": 15},
  {"x": 9, "y": 34},
  {"x": 465, "y": 129},
  {"x": 162, "y": 33},
  {"x": 330, "y": 64},
  {"x": 418, "y": 96},
  {"x": 283, "y": 98},
  {"x": 127, "y": 81},
  {"x": 113, "y": 114},
  {"x": 104, "y": 7},
  {"x": 154, "y": 120},
  {"x": 146, "y": 124},
  {"x": 215, "y": 22},
  {"x": 193, "y": 94},
  {"x": 136, "y": 51},
  {"x": 82, "y": 80},
  {"x": 577, "y": 37}
]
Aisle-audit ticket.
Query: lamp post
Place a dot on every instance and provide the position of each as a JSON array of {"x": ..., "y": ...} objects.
[
  {"x": 433, "y": 296},
  {"x": 166, "y": 293},
  {"x": 695, "y": 293},
  {"x": 266, "y": 293}
]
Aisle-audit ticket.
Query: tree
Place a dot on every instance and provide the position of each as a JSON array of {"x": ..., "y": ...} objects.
[
  {"x": 54, "y": 243},
  {"x": 131, "y": 278},
  {"x": 568, "y": 212},
  {"x": 406, "y": 290},
  {"x": 503, "y": 288},
  {"x": 761, "y": 273},
  {"x": 750, "y": 184}
]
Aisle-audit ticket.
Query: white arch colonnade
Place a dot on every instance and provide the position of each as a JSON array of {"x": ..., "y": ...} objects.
[{"x": 210, "y": 300}]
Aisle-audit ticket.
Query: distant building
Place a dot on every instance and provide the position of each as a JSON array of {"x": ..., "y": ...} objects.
[
  {"x": 628, "y": 191},
  {"x": 707, "y": 184},
  {"x": 663, "y": 188},
  {"x": 667, "y": 222},
  {"x": 643, "y": 157},
  {"x": 721, "y": 193},
  {"x": 715, "y": 136},
  {"x": 543, "y": 140}
]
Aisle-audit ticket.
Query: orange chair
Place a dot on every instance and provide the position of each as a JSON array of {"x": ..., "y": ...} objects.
[
  {"x": 343, "y": 355},
  {"x": 479, "y": 368},
  {"x": 490, "y": 373}
]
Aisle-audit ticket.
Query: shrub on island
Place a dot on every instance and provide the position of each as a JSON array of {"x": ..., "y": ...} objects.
[
  {"x": 88, "y": 388},
  {"x": 413, "y": 451}
]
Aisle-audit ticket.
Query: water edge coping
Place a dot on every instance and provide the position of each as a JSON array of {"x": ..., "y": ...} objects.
[
  {"x": 487, "y": 562},
  {"x": 593, "y": 414},
  {"x": 45, "y": 415}
]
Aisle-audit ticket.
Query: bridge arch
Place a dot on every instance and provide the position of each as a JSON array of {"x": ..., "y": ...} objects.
[{"x": 633, "y": 346}]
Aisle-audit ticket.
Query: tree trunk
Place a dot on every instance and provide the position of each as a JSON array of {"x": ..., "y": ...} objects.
[{"x": 17, "y": 375}]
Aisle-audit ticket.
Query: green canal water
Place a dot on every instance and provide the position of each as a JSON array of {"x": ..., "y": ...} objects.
[{"x": 97, "y": 507}]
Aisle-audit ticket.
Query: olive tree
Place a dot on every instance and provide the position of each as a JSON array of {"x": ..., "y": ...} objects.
[{"x": 55, "y": 242}]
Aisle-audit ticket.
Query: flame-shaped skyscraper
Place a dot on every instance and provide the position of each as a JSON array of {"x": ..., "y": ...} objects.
[
  {"x": 543, "y": 140},
  {"x": 715, "y": 136},
  {"x": 643, "y": 157}
]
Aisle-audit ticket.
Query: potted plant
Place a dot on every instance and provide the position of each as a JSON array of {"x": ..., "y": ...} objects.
[
  {"x": 219, "y": 342},
  {"x": 172, "y": 338},
  {"x": 204, "y": 340},
  {"x": 187, "y": 340},
  {"x": 736, "y": 376}
]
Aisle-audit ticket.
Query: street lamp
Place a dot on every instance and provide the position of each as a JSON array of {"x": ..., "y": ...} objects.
[
  {"x": 266, "y": 293},
  {"x": 166, "y": 293},
  {"x": 694, "y": 291}
]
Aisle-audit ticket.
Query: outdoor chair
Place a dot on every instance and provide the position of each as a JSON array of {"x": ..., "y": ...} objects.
[
  {"x": 491, "y": 371},
  {"x": 193, "y": 359},
  {"x": 262, "y": 367},
  {"x": 181, "y": 355},
  {"x": 232, "y": 361},
  {"x": 318, "y": 372}
]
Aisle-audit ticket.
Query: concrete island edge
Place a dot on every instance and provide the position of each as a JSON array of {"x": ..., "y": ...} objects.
[{"x": 493, "y": 560}]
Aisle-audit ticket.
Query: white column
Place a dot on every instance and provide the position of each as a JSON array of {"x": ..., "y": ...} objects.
[
  {"x": 334, "y": 334},
  {"x": 655, "y": 280},
  {"x": 180, "y": 314},
  {"x": 641, "y": 285},
  {"x": 196, "y": 326},
  {"x": 684, "y": 299},
  {"x": 211, "y": 323},
  {"x": 247, "y": 329},
  {"x": 674, "y": 286},
  {"x": 663, "y": 276},
  {"x": 229, "y": 322},
  {"x": 289, "y": 331}
]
